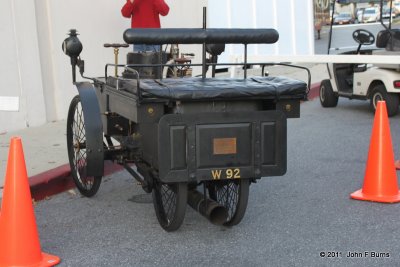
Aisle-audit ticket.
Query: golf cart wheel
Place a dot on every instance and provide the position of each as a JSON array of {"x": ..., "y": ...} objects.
[
  {"x": 170, "y": 204},
  {"x": 379, "y": 93},
  {"x": 233, "y": 195},
  {"x": 77, "y": 154},
  {"x": 327, "y": 97}
]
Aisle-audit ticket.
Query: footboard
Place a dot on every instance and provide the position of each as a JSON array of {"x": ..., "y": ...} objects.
[{"x": 215, "y": 146}]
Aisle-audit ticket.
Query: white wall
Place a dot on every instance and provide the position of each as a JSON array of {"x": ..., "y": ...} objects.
[
  {"x": 35, "y": 71},
  {"x": 292, "y": 18},
  {"x": 186, "y": 14},
  {"x": 20, "y": 72},
  {"x": 97, "y": 22}
]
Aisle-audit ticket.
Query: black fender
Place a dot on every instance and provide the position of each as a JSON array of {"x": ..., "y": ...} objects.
[{"x": 93, "y": 128}]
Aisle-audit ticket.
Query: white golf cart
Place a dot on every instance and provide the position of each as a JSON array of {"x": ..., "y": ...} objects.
[{"x": 366, "y": 81}]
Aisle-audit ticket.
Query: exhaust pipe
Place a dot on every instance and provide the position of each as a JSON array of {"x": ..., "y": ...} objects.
[{"x": 214, "y": 212}]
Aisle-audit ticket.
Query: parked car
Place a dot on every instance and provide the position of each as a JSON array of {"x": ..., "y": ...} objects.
[
  {"x": 333, "y": 16},
  {"x": 396, "y": 8},
  {"x": 386, "y": 14},
  {"x": 343, "y": 18},
  {"x": 371, "y": 14},
  {"x": 360, "y": 14}
]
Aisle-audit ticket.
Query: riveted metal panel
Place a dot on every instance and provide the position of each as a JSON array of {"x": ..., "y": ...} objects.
[{"x": 251, "y": 145}]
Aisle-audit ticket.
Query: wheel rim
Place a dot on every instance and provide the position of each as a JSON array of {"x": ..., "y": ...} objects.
[
  {"x": 79, "y": 146},
  {"x": 228, "y": 196},
  {"x": 76, "y": 142},
  {"x": 170, "y": 204},
  {"x": 377, "y": 97},
  {"x": 322, "y": 94}
]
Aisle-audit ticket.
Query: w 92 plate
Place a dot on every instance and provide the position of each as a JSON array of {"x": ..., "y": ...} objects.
[{"x": 219, "y": 174}]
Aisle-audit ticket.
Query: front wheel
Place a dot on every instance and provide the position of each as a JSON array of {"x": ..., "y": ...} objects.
[
  {"x": 77, "y": 154},
  {"x": 327, "y": 96},
  {"x": 379, "y": 93}
]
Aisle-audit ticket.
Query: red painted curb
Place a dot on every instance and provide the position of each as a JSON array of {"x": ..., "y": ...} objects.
[
  {"x": 51, "y": 182},
  {"x": 314, "y": 91},
  {"x": 59, "y": 180}
]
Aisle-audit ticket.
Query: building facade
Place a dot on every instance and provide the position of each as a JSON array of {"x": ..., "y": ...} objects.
[{"x": 36, "y": 75}]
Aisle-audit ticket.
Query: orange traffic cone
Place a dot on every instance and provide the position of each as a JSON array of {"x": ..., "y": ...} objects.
[
  {"x": 19, "y": 239},
  {"x": 380, "y": 181}
]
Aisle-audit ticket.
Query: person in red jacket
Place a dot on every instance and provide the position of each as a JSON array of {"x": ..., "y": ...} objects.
[{"x": 145, "y": 14}]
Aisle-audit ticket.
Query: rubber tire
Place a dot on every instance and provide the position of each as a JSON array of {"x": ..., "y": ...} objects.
[
  {"x": 87, "y": 192},
  {"x": 327, "y": 97},
  {"x": 181, "y": 192},
  {"x": 392, "y": 100},
  {"x": 241, "y": 204}
]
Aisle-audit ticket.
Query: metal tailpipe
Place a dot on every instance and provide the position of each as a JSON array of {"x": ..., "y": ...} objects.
[{"x": 214, "y": 212}]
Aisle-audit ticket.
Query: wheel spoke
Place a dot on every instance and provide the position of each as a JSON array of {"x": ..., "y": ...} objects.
[
  {"x": 168, "y": 200},
  {"x": 170, "y": 204},
  {"x": 227, "y": 195},
  {"x": 233, "y": 195}
]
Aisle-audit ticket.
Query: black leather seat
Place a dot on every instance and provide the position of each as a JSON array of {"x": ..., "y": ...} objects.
[
  {"x": 224, "y": 88},
  {"x": 389, "y": 39}
]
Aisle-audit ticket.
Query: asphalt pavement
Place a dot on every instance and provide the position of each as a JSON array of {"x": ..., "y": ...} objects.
[{"x": 304, "y": 218}]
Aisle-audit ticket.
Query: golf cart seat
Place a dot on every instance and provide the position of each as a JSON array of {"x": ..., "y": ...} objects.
[{"x": 390, "y": 40}]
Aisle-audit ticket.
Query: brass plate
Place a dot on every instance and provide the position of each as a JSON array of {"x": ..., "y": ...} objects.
[{"x": 224, "y": 146}]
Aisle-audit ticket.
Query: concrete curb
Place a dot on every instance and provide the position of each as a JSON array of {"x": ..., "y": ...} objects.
[{"x": 59, "y": 179}]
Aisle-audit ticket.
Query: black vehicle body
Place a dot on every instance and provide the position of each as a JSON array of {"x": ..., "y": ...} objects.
[{"x": 184, "y": 132}]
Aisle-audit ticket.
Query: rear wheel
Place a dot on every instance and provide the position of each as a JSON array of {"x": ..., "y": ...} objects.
[
  {"x": 170, "y": 204},
  {"x": 233, "y": 195},
  {"x": 327, "y": 97},
  {"x": 379, "y": 93},
  {"x": 77, "y": 154}
]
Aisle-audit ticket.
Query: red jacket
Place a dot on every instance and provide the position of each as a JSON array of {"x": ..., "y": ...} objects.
[{"x": 145, "y": 13}]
